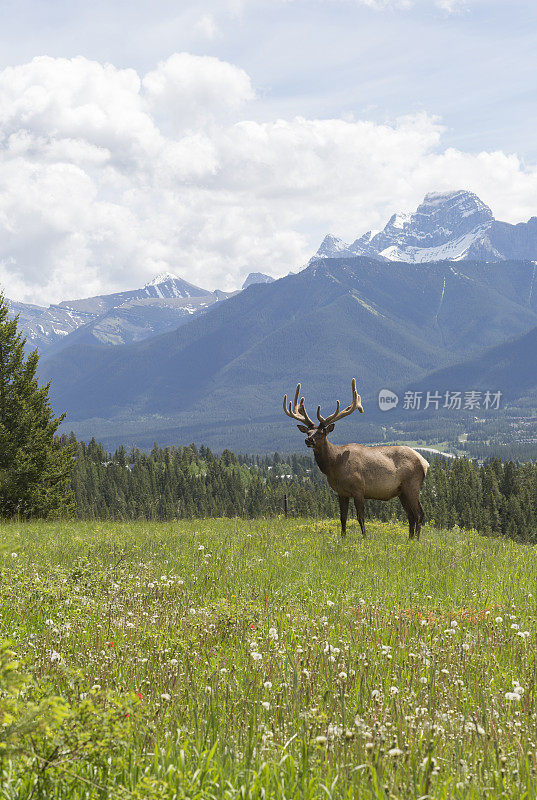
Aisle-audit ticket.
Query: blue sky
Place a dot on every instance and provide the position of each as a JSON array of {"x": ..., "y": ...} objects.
[
  {"x": 379, "y": 101},
  {"x": 474, "y": 67}
]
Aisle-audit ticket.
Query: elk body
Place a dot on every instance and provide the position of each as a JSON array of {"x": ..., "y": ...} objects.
[{"x": 359, "y": 472}]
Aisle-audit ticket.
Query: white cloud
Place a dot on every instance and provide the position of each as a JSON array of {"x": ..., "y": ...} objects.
[
  {"x": 193, "y": 90},
  {"x": 110, "y": 177},
  {"x": 206, "y": 26}
]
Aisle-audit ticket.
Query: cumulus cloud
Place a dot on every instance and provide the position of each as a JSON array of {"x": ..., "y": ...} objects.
[
  {"x": 110, "y": 177},
  {"x": 192, "y": 90}
]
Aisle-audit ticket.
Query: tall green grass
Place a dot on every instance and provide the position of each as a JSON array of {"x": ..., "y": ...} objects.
[{"x": 272, "y": 659}]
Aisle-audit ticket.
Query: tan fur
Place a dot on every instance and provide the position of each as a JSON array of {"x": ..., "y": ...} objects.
[{"x": 359, "y": 472}]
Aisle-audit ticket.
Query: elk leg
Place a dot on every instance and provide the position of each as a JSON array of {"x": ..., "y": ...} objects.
[
  {"x": 407, "y": 505},
  {"x": 360, "y": 512},
  {"x": 343, "y": 511}
]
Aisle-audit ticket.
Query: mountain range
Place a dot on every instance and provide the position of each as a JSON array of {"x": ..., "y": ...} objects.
[
  {"x": 217, "y": 372},
  {"x": 454, "y": 226},
  {"x": 120, "y": 318}
]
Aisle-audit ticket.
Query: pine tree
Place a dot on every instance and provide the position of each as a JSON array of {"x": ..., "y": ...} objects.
[{"x": 35, "y": 465}]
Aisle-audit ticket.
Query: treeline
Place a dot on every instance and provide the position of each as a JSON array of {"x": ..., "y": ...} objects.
[
  {"x": 494, "y": 498},
  {"x": 177, "y": 482}
]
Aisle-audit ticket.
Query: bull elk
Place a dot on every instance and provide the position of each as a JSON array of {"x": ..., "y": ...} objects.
[{"x": 378, "y": 472}]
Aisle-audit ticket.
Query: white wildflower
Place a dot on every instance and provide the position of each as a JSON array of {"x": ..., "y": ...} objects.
[
  {"x": 333, "y": 650},
  {"x": 512, "y": 696},
  {"x": 473, "y": 727}
]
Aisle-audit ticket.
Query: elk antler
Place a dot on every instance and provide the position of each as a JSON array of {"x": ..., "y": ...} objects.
[
  {"x": 297, "y": 410},
  {"x": 356, "y": 404}
]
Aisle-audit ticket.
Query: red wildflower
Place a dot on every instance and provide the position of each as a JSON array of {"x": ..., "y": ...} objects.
[{"x": 110, "y": 644}]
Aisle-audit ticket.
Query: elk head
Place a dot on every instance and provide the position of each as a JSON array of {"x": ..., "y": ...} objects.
[{"x": 317, "y": 432}]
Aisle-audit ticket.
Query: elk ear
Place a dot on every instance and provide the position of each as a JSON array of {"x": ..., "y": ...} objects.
[
  {"x": 329, "y": 428},
  {"x": 303, "y": 428}
]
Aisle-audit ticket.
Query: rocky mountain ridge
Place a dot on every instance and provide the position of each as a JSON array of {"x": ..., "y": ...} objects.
[{"x": 446, "y": 226}]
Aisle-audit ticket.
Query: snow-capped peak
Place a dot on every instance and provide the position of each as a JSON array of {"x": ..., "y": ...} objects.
[
  {"x": 400, "y": 220},
  {"x": 446, "y": 226},
  {"x": 163, "y": 277}
]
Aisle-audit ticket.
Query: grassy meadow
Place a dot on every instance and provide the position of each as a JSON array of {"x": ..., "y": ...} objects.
[{"x": 268, "y": 658}]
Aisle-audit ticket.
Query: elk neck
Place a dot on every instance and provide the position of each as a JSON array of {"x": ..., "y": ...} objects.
[{"x": 324, "y": 453}]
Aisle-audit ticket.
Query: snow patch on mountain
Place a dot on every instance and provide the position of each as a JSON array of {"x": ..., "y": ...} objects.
[
  {"x": 163, "y": 277},
  {"x": 451, "y": 226}
]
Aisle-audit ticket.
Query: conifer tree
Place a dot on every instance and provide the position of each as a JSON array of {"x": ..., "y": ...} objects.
[{"x": 35, "y": 465}]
